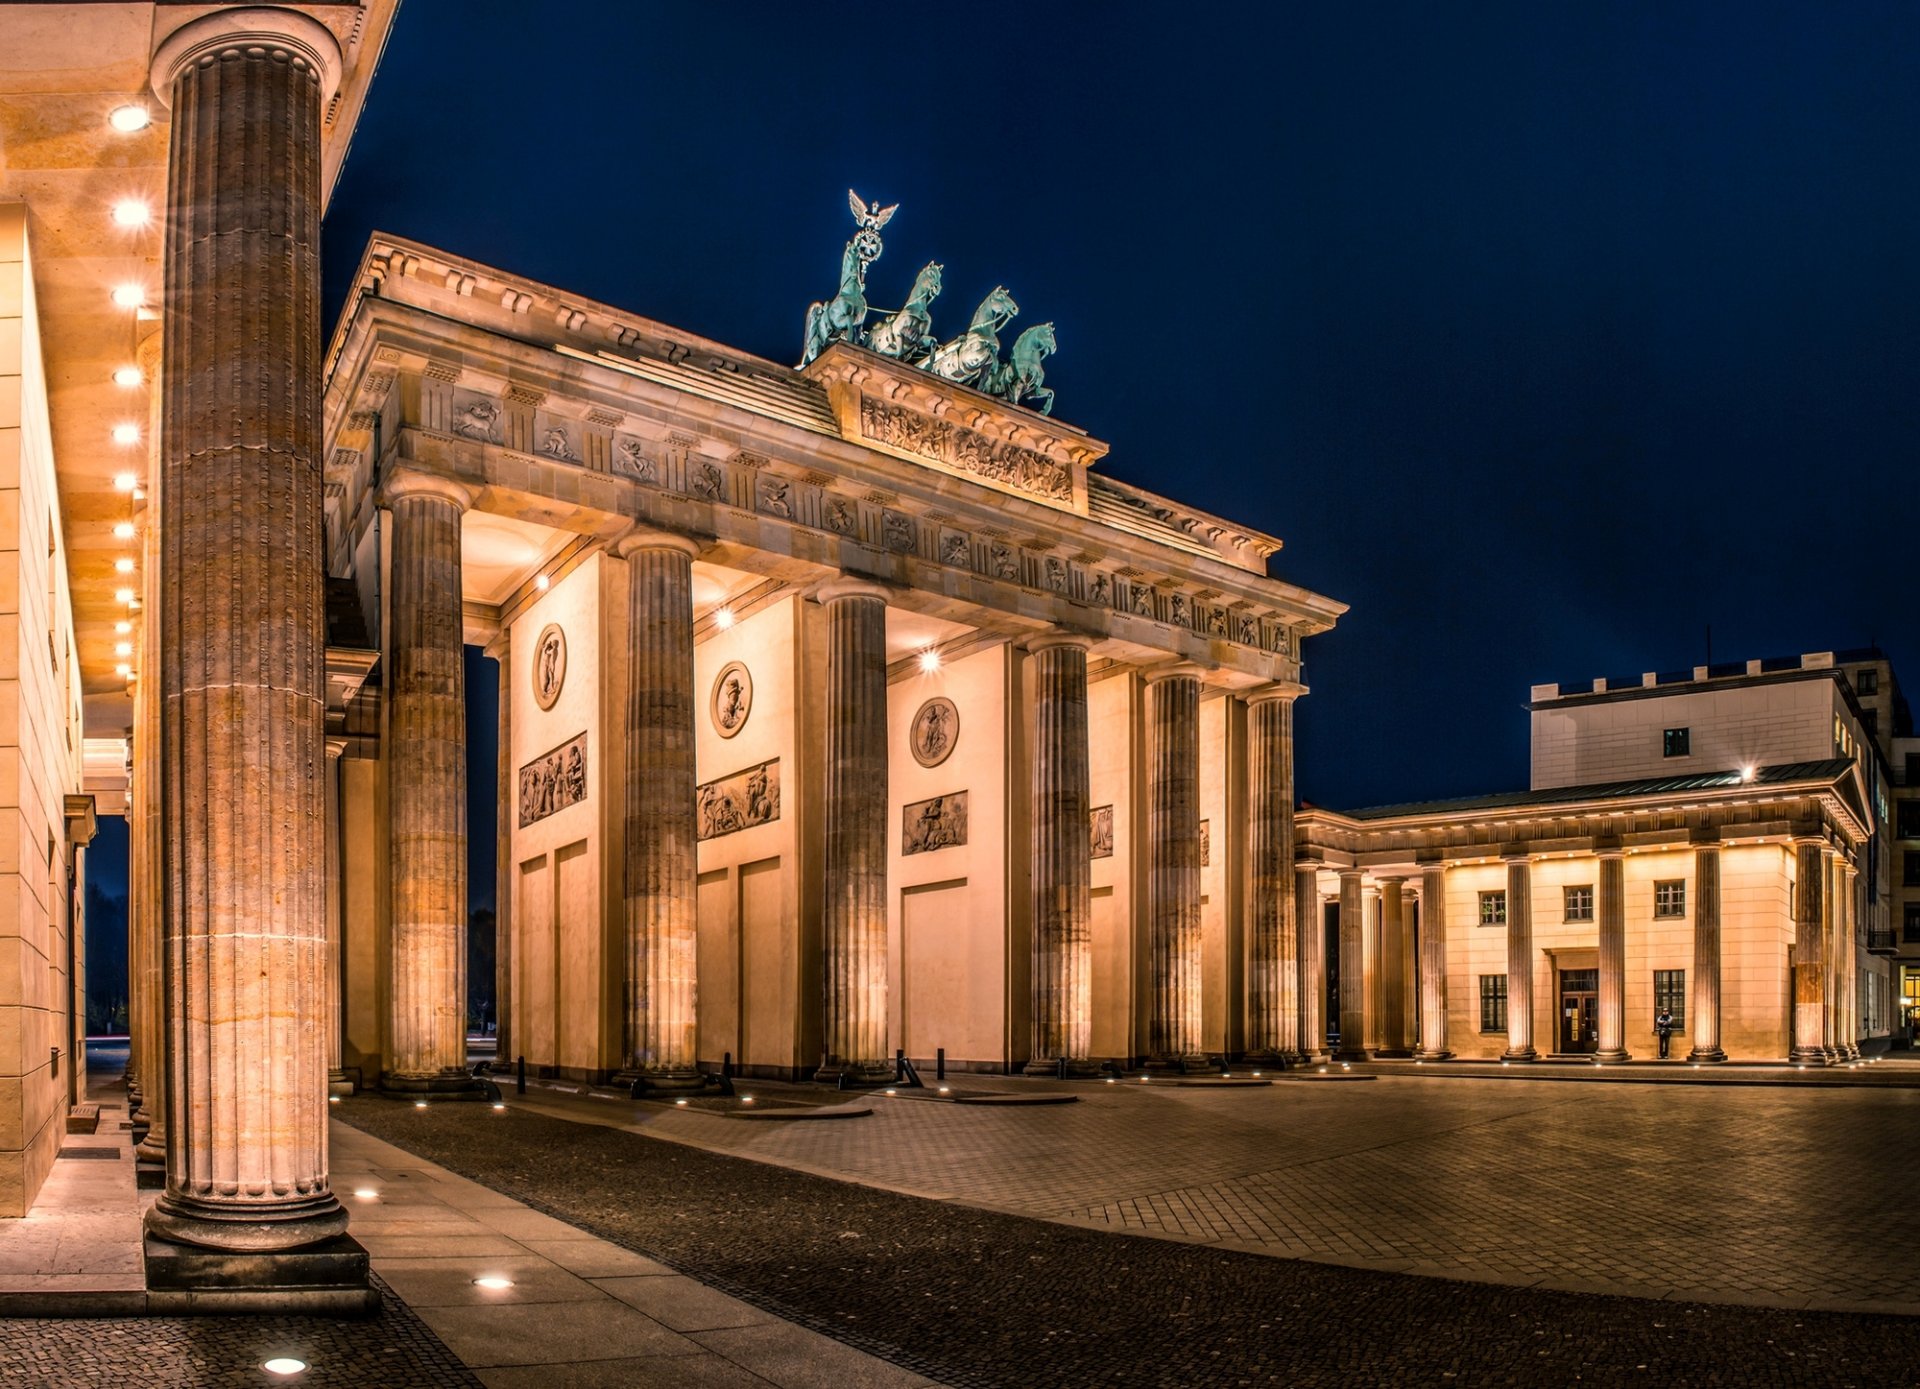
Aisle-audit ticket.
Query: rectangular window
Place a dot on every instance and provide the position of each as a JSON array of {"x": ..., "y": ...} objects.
[
  {"x": 1870, "y": 720},
  {"x": 1907, "y": 813},
  {"x": 1670, "y": 898},
  {"x": 1910, "y": 927},
  {"x": 1913, "y": 769},
  {"x": 1910, "y": 869},
  {"x": 1670, "y": 993},
  {"x": 1493, "y": 908},
  {"x": 1580, "y": 903},
  {"x": 1493, "y": 1003},
  {"x": 1866, "y": 682},
  {"x": 1676, "y": 742}
]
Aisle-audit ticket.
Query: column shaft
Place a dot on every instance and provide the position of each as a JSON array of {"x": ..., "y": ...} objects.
[
  {"x": 1311, "y": 932},
  {"x": 1173, "y": 871},
  {"x": 1273, "y": 946},
  {"x": 242, "y": 669},
  {"x": 427, "y": 789},
  {"x": 1433, "y": 963},
  {"x": 1062, "y": 863},
  {"x": 1830, "y": 939},
  {"x": 1352, "y": 969},
  {"x": 1850, "y": 957},
  {"x": 1394, "y": 1039},
  {"x": 1809, "y": 974},
  {"x": 337, "y": 1082},
  {"x": 1519, "y": 961},
  {"x": 661, "y": 847},
  {"x": 1703, "y": 1017},
  {"x": 503, "y": 867},
  {"x": 854, "y": 928},
  {"x": 1610, "y": 907}
]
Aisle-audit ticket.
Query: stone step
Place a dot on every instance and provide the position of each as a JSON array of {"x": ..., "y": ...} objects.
[{"x": 83, "y": 1118}]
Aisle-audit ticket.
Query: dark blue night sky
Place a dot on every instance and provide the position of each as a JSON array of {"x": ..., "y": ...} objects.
[{"x": 1546, "y": 336}]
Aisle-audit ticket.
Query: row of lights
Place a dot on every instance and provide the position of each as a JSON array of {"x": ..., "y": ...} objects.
[{"x": 130, "y": 214}]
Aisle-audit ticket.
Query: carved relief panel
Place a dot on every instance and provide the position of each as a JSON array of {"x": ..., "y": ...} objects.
[
  {"x": 938, "y": 823},
  {"x": 747, "y": 798},
  {"x": 554, "y": 781}
]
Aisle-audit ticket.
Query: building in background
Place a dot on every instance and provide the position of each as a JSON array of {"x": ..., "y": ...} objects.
[{"x": 1713, "y": 843}]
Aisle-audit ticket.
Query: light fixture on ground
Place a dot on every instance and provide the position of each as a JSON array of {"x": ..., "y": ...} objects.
[
  {"x": 284, "y": 1365},
  {"x": 419, "y": 1104},
  {"x": 365, "y": 1193},
  {"x": 127, "y": 376},
  {"x": 129, "y": 118},
  {"x": 497, "y": 1108},
  {"x": 493, "y": 1281}
]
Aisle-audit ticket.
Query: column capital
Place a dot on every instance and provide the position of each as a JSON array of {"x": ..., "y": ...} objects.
[
  {"x": 1284, "y": 690},
  {"x": 335, "y": 747},
  {"x": 645, "y": 538},
  {"x": 1056, "y": 639},
  {"x": 415, "y": 484},
  {"x": 851, "y": 586},
  {"x": 1179, "y": 670},
  {"x": 501, "y": 645},
  {"x": 302, "y": 39}
]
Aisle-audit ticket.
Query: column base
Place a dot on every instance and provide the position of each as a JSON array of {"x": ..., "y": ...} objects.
[
  {"x": 325, "y": 1279},
  {"x": 1191, "y": 1064},
  {"x": 1617, "y": 1057},
  {"x": 1394, "y": 1053},
  {"x": 1703, "y": 1056},
  {"x": 245, "y": 1229},
  {"x": 1519, "y": 1054},
  {"x": 1808, "y": 1056},
  {"x": 848, "y": 1074},
  {"x": 447, "y": 1085},
  {"x": 1424, "y": 1054},
  {"x": 1853, "y": 1052},
  {"x": 338, "y": 1083},
  {"x": 153, "y": 1152},
  {"x": 1062, "y": 1068},
  {"x": 678, "y": 1082},
  {"x": 149, "y": 1175},
  {"x": 1352, "y": 1054}
]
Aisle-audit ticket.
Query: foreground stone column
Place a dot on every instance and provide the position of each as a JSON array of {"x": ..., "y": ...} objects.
[
  {"x": 1519, "y": 961},
  {"x": 1703, "y": 1018},
  {"x": 1850, "y": 957},
  {"x": 1394, "y": 1040},
  {"x": 506, "y": 797},
  {"x": 1433, "y": 964},
  {"x": 854, "y": 924},
  {"x": 1610, "y": 909},
  {"x": 1273, "y": 944},
  {"x": 1062, "y": 860},
  {"x": 1371, "y": 971},
  {"x": 1173, "y": 869},
  {"x": 242, "y": 675},
  {"x": 1830, "y": 937},
  {"x": 1311, "y": 931},
  {"x": 427, "y": 788},
  {"x": 1809, "y": 972},
  {"x": 337, "y": 1082},
  {"x": 1353, "y": 974},
  {"x": 661, "y": 844}
]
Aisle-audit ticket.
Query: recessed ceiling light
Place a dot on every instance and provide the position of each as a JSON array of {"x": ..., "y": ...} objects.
[
  {"x": 123, "y": 627},
  {"x": 123, "y": 530},
  {"x": 724, "y": 619},
  {"x": 131, "y": 212},
  {"x": 123, "y": 669},
  {"x": 128, "y": 376},
  {"x": 126, "y": 434},
  {"x": 123, "y": 565},
  {"x": 542, "y": 582},
  {"x": 123, "y": 595},
  {"x": 125, "y": 482},
  {"x": 929, "y": 661},
  {"x": 129, "y": 296},
  {"x": 123, "y": 648},
  {"x": 129, "y": 118}
]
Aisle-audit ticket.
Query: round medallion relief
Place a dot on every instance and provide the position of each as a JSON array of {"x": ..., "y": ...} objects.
[
  {"x": 935, "y": 731},
  {"x": 549, "y": 665},
  {"x": 732, "y": 699}
]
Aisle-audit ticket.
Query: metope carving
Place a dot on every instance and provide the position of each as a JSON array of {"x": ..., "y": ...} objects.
[
  {"x": 478, "y": 419},
  {"x": 630, "y": 459},
  {"x": 939, "y": 823},
  {"x": 741, "y": 801},
  {"x": 554, "y": 781},
  {"x": 964, "y": 450}
]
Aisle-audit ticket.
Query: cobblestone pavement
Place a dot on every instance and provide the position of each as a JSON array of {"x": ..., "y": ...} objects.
[
  {"x": 1780, "y": 1196},
  {"x": 971, "y": 1296},
  {"x": 392, "y": 1350}
]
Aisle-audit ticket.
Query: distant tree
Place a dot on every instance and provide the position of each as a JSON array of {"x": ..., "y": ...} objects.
[{"x": 480, "y": 957}]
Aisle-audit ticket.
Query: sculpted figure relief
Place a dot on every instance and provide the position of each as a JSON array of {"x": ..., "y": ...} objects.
[
  {"x": 477, "y": 420},
  {"x": 633, "y": 461},
  {"x": 908, "y": 334},
  {"x": 935, "y": 731},
  {"x": 554, "y": 781},
  {"x": 739, "y": 802},
  {"x": 549, "y": 665},
  {"x": 1020, "y": 380},
  {"x": 939, "y": 823},
  {"x": 732, "y": 699},
  {"x": 969, "y": 357}
]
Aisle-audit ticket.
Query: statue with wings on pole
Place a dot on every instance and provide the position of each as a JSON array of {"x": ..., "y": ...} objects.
[{"x": 841, "y": 318}]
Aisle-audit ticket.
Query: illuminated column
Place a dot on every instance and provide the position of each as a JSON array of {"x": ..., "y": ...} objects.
[
  {"x": 427, "y": 788},
  {"x": 1703, "y": 1019},
  {"x": 1392, "y": 964},
  {"x": 1273, "y": 944},
  {"x": 242, "y": 677},
  {"x": 1830, "y": 917},
  {"x": 1433, "y": 963},
  {"x": 505, "y": 799},
  {"x": 1519, "y": 961},
  {"x": 1809, "y": 977},
  {"x": 1062, "y": 984},
  {"x": 661, "y": 867},
  {"x": 1311, "y": 932},
  {"x": 1610, "y": 910},
  {"x": 337, "y": 1082},
  {"x": 854, "y": 1024},
  {"x": 1353, "y": 974},
  {"x": 1173, "y": 870},
  {"x": 1371, "y": 976},
  {"x": 1850, "y": 958}
]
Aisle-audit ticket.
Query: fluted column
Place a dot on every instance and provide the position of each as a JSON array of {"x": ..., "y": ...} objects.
[
  {"x": 1311, "y": 932},
  {"x": 242, "y": 669},
  {"x": 1703, "y": 1003},
  {"x": 1610, "y": 909},
  {"x": 1850, "y": 958},
  {"x": 1173, "y": 870},
  {"x": 1371, "y": 974},
  {"x": 1830, "y": 939},
  {"x": 661, "y": 847},
  {"x": 1062, "y": 997},
  {"x": 1519, "y": 961},
  {"x": 501, "y": 650},
  {"x": 1273, "y": 946},
  {"x": 1394, "y": 1040},
  {"x": 854, "y": 928},
  {"x": 337, "y": 1082},
  {"x": 1353, "y": 973},
  {"x": 1809, "y": 972},
  {"x": 1433, "y": 963},
  {"x": 427, "y": 787}
]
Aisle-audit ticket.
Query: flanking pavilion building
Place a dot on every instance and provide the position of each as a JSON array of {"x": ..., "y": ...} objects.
[{"x": 1712, "y": 842}]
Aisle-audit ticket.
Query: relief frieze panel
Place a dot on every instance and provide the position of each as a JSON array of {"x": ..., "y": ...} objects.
[
  {"x": 964, "y": 450},
  {"x": 937, "y": 823},
  {"x": 746, "y": 798},
  {"x": 553, "y": 781}
]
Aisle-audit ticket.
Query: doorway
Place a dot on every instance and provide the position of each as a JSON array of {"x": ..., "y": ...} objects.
[{"x": 1579, "y": 1005}]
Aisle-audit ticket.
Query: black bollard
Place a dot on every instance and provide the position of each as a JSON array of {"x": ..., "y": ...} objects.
[
  {"x": 726, "y": 1065},
  {"x": 940, "y": 1063},
  {"x": 520, "y": 1075}
]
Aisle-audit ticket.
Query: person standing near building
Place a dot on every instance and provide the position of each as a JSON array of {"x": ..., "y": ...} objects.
[{"x": 1663, "y": 1024}]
